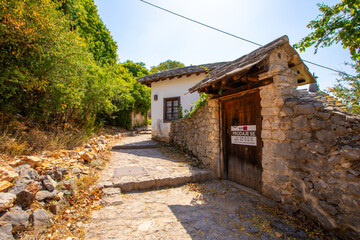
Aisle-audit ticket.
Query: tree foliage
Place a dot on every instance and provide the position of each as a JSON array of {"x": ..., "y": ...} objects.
[
  {"x": 84, "y": 18},
  {"x": 167, "y": 65},
  {"x": 339, "y": 24},
  {"x": 59, "y": 69},
  {"x": 42, "y": 62},
  {"x": 137, "y": 69}
]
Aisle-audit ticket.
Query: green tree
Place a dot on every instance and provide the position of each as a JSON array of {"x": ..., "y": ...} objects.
[
  {"x": 42, "y": 62},
  {"x": 84, "y": 18},
  {"x": 137, "y": 69},
  {"x": 167, "y": 65},
  {"x": 48, "y": 72},
  {"x": 339, "y": 24}
]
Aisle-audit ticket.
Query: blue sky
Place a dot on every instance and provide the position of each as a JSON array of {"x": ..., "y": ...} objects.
[{"x": 146, "y": 34}]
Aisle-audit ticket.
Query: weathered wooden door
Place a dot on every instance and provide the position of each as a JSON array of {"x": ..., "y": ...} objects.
[{"x": 242, "y": 140}]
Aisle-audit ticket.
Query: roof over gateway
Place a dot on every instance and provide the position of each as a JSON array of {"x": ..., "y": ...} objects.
[
  {"x": 179, "y": 72},
  {"x": 256, "y": 62}
]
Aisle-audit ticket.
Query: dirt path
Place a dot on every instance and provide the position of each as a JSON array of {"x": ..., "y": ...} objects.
[{"x": 211, "y": 210}]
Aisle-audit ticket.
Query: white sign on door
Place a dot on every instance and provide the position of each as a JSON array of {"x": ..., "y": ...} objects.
[{"x": 243, "y": 135}]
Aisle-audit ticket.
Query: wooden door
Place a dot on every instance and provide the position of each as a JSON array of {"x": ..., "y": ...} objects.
[{"x": 242, "y": 140}]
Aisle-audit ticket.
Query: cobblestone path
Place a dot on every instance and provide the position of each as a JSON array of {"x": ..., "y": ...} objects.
[{"x": 211, "y": 210}]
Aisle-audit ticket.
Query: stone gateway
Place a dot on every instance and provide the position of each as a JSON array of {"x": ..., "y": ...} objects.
[{"x": 307, "y": 152}]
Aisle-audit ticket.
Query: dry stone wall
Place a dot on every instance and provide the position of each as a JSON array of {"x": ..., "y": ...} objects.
[
  {"x": 199, "y": 134},
  {"x": 314, "y": 162}
]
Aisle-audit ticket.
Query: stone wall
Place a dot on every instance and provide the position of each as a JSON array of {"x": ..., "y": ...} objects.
[
  {"x": 313, "y": 162},
  {"x": 137, "y": 119},
  {"x": 310, "y": 154},
  {"x": 199, "y": 134}
]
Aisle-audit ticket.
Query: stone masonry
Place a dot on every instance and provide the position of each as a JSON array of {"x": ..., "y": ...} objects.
[
  {"x": 310, "y": 155},
  {"x": 199, "y": 134}
]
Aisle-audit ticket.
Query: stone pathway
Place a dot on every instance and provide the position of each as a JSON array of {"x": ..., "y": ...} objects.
[
  {"x": 211, "y": 210},
  {"x": 138, "y": 163}
]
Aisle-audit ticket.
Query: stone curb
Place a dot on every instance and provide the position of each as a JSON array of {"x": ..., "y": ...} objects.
[
  {"x": 156, "y": 183},
  {"x": 127, "y": 147}
]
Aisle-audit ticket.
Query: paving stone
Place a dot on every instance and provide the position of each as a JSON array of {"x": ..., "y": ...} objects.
[
  {"x": 210, "y": 210},
  {"x": 111, "y": 191},
  {"x": 143, "y": 169},
  {"x": 129, "y": 171},
  {"x": 114, "y": 199}
]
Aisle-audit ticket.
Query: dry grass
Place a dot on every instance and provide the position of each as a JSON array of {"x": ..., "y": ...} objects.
[{"x": 19, "y": 136}]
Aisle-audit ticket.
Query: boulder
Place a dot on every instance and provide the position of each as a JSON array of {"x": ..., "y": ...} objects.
[
  {"x": 32, "y": 161},
  {"x": 24, "y": 198},
  {"x": 20, "y": 185},
  {"x": 6, "y": 200},
  {"x": 54, "y": 208},
  {"x": 45, "y": 195},
  {"x": 28, "y": 173},
  {"x": 33, "y": 187},
  {"x": 7, "y": 175},
  {"x": 5, "y": 186},
  {"x": 60, "y": 172},
  {"x": 41, "y": 219},
  {"x": 5, "y": 231},
  {"x": 49, "y": 183},
  {"x": 88, "y": 157},
  {"x": 18, "y": 219}
]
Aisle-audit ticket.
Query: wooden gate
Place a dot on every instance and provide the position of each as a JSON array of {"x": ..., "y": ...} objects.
[{"x": 242, "y": 139}]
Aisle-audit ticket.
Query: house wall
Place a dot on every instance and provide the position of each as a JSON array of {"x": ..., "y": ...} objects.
[
  {"x": 310, "y": 155},
  {"x": 176, "y": 87}
]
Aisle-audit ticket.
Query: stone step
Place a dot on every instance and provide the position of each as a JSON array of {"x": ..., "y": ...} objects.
[
  {"x": 136, "y": 145},
  {"x": 147, "y": 182},
  {"x": 145, "y": 132}
]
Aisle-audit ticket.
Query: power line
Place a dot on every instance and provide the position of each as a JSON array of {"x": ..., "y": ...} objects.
[{"x": 235, "y": 36}]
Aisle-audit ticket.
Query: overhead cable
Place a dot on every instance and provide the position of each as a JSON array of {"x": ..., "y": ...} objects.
[{"x": 235, "y": 36}]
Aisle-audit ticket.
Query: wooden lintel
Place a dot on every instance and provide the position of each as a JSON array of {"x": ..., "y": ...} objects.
[
  {"x": 235, "y": 78},
  {"x": 249, "y": 86},
  {"x": 248, "y": 79},
  {"x": 252, "y": 79},
  {"x": 226, "y": 88}
]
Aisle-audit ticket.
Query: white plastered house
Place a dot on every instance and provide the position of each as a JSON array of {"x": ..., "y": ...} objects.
[{"x": 169, "y": 91}]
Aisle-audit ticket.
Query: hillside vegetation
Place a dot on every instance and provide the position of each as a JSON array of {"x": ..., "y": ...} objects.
[{"x": 60, "y": 74}]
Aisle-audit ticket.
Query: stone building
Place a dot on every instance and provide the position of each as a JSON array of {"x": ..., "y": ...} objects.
[{"x": 290, "y": 145}]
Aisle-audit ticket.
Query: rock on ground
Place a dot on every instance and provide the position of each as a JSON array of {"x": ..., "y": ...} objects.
[
  {"x": 6, "y": 200},
  {"x": 19, "y": 220},
  {"x": 41, "y": 218},
  {"x": 5, "y": 231}
]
